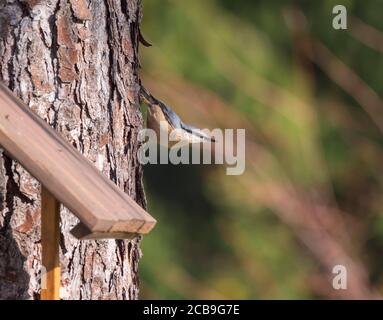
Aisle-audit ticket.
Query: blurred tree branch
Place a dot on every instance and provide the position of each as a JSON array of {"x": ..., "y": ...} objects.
[{"x": 366, "y": 34}]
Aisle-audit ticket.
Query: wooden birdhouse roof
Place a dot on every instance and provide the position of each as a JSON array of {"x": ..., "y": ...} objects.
[{"x": 103, "y": 209}]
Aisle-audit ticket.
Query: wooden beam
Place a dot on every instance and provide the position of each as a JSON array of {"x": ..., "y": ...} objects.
[
  {"x": 50, "y": 242},
  {"x": 66, "y": 173},
  {"x": 81, "y": 232}
]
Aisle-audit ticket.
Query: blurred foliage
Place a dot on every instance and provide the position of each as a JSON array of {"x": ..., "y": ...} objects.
[{"x": 309, "y": 98}]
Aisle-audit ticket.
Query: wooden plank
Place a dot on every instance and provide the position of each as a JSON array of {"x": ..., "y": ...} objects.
[
  {"x": 68, "y": 175},
  {"x": 50, "y": 243},
  {"x": 83, "y": 233}
]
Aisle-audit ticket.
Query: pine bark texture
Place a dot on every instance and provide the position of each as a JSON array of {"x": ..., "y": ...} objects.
[{"x": 75, "y": 64}]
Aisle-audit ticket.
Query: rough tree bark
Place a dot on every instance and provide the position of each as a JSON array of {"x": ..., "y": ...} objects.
[{"x": 74, "y": 63}]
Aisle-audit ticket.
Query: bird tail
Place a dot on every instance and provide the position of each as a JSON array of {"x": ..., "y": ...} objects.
[{"x": 146, "y": 96}]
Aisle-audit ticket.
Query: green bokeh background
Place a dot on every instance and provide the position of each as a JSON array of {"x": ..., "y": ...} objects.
[{"x": 310, "y": 100}]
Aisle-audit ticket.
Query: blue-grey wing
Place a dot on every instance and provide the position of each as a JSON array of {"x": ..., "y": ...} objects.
[
  {"x": 197, "y": 132},
  {"x": 172, "y": 118}
]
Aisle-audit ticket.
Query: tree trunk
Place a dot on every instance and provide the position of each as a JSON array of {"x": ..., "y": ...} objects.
[{"x": 74, "y": 63}]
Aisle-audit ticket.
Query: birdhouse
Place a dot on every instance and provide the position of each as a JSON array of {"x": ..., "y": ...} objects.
[{"x": 67, "y": 178}]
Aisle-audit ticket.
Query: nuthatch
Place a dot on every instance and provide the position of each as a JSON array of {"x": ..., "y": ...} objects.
[{"x": 161, "y": 117}]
